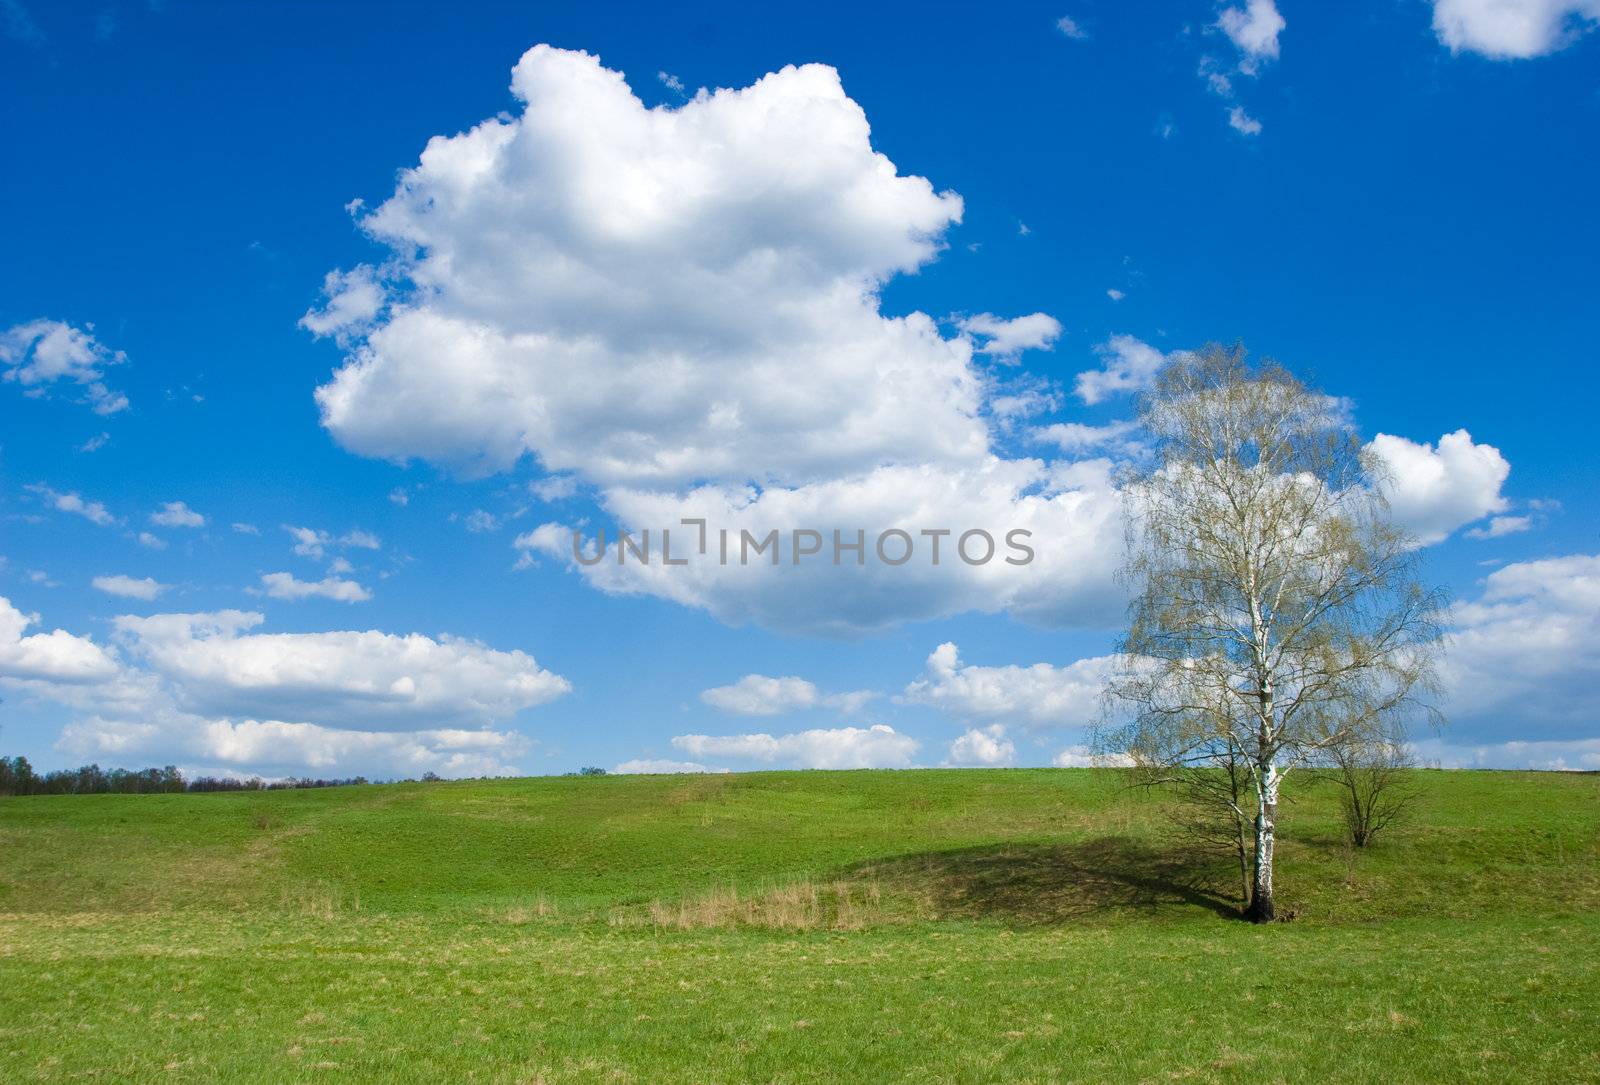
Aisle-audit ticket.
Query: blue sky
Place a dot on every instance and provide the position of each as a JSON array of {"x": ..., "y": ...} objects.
[{"x": 1394, "y": 198}]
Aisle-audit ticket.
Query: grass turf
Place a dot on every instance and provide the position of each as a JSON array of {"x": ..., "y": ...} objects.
[{"x": 1022, "y": 925}]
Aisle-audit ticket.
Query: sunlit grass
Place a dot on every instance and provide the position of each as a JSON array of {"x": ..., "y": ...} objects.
[{"x": 918, "y": 926}]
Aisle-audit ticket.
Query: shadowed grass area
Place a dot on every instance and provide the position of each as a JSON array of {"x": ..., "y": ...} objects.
[
  {"x": 940, "y": 925},
  {"x": 1058, "y": 883}
]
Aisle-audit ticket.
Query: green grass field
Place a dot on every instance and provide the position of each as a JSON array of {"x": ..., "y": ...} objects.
[{"x": 939, "y": 925}]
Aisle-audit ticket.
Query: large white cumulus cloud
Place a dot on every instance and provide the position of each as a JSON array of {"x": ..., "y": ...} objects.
[
  {"x": 1072, "y": 513},
  {"x": 655, "y": 295},
  {"x": 368, "y": 680},
  {"x": 1512, "y": 29},
  {"x": 680, "y": 308},
  {"x": 1435, "y": 489},
  {"x": 56, "y": 656}
]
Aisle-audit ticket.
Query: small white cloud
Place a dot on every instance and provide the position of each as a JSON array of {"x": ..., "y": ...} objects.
[
  {"x": 152, "y": 542},
  {"x": 246, "y": 529},
  {"x": 983, "y": 746},
  {"x": 1077, "y": 439},
  {"x": 286, "y": 586},
  {"x": 1069, "y": 28},
  {"x": 96, "y": 443},
  {"x": 177, "y": 514},
  {"x": 365, "y": 540},
  {"x": 93, "y": 511},
  {"x": 760, "y": 695},
  {"x": 878, "y": 746},
  {"x": 309, "y": 542},
  {"x": 1499, "y": 526},
  {"x": 479, "y": 521},
  {"x": 671, "y": 82},
  {"x": 1115, "y": 295},
  {"x": 1242, "y": 122},
  {"x": 40, "y": 353},
  {"x": 1127, "y": 365},
  {"x": 1253, "y": 29},
  {"x": 1006, "y": 339},
  {"x": 554, "y": 488},
  {"x": 646, "y": 766},
  {"x": 128, "y": 587},
  {"x": 314, "y": 543},
  {"x": 1081, "y": 757},
  {"x": 399, "y": 497},
  {"x": 1041, "y": 695},
  {"x": 353, "y": 300}
]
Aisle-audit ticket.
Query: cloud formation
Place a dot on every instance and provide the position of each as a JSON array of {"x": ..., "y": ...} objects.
[
  {"x": 762, "y": 695},
  {"x": 93, "y": 511},
  {"x": 1071, "y": 510},
  {"x": 56, "y": 656},
  {"x": 1041, "y": 695},
  {"x": 1006, "y": 339},
  {"x": 652, "y": 766},
  {"x": 1127, "y": 364},
  {"x": 691, "y": 261},
  {"x": 177, "y": 514},
  {"x": 288, "y": 586},
  {"x": 1253, "y": 29},
  {"x": 129, "y": 587},
  {"x": 983, "y": 746},
  {"x": 1512, "y": 29},
  {"x": 877, "y": 746},
  {"x": 1528, "y": 644},
  {"x": 202, "y": 691},
  {"x": 1435, "y": 489},
  {"x": 40, "y": 354},
  {"x": 361, "y": 680}
]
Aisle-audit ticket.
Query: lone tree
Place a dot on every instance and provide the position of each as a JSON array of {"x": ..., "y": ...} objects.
[{"x": 1276, "y": 615}]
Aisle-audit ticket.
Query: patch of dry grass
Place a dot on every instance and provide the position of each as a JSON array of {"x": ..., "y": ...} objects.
[{"x": 801, "y": 905}]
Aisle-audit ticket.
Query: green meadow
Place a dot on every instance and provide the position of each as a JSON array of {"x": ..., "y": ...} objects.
[{"x": 1043, "y": 925}]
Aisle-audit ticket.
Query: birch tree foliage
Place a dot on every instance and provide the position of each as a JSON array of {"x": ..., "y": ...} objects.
[{"x": 1276, "y": 613}]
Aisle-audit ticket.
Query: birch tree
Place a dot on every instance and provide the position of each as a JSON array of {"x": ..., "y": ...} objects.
[{"x": 1276, "y": 614}]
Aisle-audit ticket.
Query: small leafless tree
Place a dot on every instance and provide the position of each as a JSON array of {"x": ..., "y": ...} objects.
[
  {"x": 1376, "y": 784},
  {"x": 1276, "y": 613}
]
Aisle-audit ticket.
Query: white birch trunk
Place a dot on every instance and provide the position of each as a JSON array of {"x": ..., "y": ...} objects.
[{"x": 1261, "y": 906}]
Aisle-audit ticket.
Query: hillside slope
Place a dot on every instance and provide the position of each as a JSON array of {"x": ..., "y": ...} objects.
[
  {"x": 964, "y": 926},
  {"x": 1037, "y": 839}
]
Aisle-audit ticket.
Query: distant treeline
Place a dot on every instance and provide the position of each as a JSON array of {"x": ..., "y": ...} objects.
[{"x": 18, "y": 778}]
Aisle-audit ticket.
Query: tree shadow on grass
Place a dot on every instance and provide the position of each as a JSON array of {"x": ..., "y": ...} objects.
[{"x": 1042, "y": 884}]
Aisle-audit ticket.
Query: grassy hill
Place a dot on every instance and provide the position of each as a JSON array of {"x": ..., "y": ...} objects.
[{"x": 940, "y": 925}]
